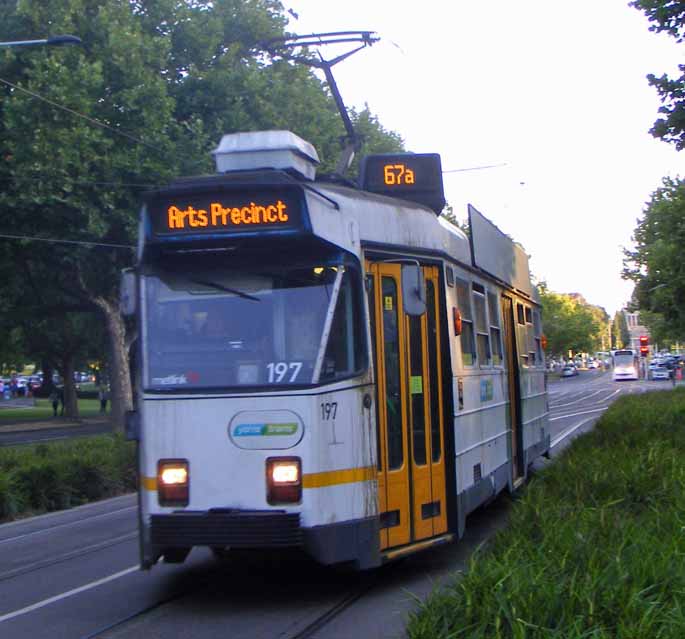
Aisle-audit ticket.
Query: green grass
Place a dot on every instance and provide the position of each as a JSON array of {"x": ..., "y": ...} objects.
[
  {"x": 596, "y": 543},
  {"x": 43, "y": 410},
  {"x": 58, "y": 475}
]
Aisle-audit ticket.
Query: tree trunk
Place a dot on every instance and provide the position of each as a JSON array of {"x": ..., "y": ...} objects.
[
  {"x": 70, "y": 399},
  {"x": 121, "y": 394}
]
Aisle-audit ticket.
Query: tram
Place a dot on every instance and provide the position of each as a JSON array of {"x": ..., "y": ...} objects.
[{"x": 326, "y": 367}]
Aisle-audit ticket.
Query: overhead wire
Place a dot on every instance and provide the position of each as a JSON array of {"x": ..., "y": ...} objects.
[
  {"x": 66, "y": 179},
  {"x": 59, "y": 241},
  {"x": 94, "y": 121}
]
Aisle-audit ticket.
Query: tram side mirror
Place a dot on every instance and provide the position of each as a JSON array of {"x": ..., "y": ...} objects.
[
  {"x": 127, "y": 292},
  {"x": 413, "y": 290}
]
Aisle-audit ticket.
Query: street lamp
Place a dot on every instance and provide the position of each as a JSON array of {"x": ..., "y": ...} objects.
[{"x": 54, "y": 41}]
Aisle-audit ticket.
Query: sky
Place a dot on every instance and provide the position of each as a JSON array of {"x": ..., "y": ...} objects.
[{"x": 553, "y": 92}]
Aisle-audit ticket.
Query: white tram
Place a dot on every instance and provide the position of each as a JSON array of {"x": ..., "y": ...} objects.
[{"x": 325, "y": 367}]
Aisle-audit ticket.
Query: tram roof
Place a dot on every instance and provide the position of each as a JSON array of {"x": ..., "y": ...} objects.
[{"x": 343, "y": 214}]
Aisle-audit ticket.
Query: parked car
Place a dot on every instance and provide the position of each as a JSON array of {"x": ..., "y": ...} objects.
[
  {"x": 569, "y": 371},
  {"x": 660, "y": 372},
  {"x": 593, "y": 365}
]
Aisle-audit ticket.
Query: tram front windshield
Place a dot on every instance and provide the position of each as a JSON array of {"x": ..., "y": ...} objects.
[{"x": 220, "y": 327}]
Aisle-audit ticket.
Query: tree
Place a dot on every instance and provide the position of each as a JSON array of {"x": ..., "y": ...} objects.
[
  {"x": 620, "y": 335},
  {"x": 157, "y": 82},
  {"x": 449, "y": 214},
  {"x": 668, "y": 16},
  {"x": 569, "y": 324},
  {"x": 656, "y": 263}
]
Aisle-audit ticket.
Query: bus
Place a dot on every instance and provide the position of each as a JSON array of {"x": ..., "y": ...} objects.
[
  {"x": 626, "y": 364},
  {"x": 324, "y": 366}
]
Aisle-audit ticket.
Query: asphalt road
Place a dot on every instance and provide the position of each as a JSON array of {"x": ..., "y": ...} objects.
[{"x": 74, "y": 574}]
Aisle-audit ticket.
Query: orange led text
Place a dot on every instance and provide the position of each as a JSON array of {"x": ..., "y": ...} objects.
[
  {"x": 395, "y": 174},
  {"x": 220, "y": 216}
]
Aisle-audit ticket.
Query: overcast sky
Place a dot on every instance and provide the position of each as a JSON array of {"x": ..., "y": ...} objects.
[{"x": 555, "y": 91}]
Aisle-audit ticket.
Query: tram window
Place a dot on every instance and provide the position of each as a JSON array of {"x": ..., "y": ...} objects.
[
  {"x": 393, "y": 384},
  {"x": 538, "y": 335},
  {"x": 346, "y": 349},
  {"x": 495, "y": 333},
  {"x": 431, "y": 306},
  {"x": 520, "y": 317},
  {"x": 207, "y": 325},
  {"x": 482, "y": 336},
  {"x": 417, "y": 383},
  {"x": 468, "y": 345},
  {"x": 530, "y": 337}
]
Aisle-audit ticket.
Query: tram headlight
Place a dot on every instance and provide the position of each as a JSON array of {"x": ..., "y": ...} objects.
[
  {"x": 283, "y": 480},
  {"x": 173, "y": 481}
]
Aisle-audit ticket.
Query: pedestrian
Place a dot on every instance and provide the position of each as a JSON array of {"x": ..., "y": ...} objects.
[
  {"x": 54, "y": 400},
  {"x": 103, "y": 396},
  {"x": 60, "y": 393}
]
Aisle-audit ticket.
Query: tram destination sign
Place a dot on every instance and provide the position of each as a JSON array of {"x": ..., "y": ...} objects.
[
  {"x": 410, "y": 176},
  {"x": 225, "y": 212}
]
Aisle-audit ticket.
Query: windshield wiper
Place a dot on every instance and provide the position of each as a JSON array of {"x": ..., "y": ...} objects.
[{"x": 225, "y": 289}]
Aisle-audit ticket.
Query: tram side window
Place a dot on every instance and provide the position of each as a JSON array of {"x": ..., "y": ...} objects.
[
  {"x": 468, "y": 346},
  {"x": 530, "y": 337},
  {"x": 495, "y": 332},
  {"x": 521, "y": 334},
  {"x": 538, "y": 335},
  {"x": 482, "y": 336},
  {"x": 346, "y": 349}
]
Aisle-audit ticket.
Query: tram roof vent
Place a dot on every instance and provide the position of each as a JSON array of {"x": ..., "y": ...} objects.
[{"x": 266, "y": 150}]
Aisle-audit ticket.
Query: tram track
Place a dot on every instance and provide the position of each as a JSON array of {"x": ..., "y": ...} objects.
[{"x": 75, "y": 554}]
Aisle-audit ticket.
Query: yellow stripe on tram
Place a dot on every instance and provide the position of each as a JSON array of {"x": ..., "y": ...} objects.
[
  {"x": 149, "y": 483},
  {"x": 335, "y": 477}
]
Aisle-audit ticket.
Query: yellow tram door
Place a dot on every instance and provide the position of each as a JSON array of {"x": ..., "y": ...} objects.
[
  {"x": 512, "y": 373},
  {"x": 393, "y": 475},
  {"x": 411, "y": 471},
  {"x": 425, "y": 415}
]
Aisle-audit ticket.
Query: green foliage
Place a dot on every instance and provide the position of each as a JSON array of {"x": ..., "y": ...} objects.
[
  {"x": 590, "y": 548},
  {"x": 668, "y": 16},
  {"x": 449, "y": 214},
  {"x": 656, "y": 264},
  {"x": 570, "y": 323},
  {"x": 157, "y": 83},
  {"x": 620, "y": 335},
  {"x": 54, "y": 476}
]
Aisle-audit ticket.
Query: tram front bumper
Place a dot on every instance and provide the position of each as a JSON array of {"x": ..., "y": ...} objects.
[{"x": 221, "y": 528}]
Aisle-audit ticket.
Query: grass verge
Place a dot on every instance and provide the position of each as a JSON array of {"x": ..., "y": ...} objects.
[
  {"x": 43, "y": 411},
  {"x": 596, "y": 542},
  {"x": 54, "y": 476}
]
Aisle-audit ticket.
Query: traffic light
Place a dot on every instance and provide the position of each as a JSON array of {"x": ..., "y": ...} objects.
[{"x": 644, "y": 345}]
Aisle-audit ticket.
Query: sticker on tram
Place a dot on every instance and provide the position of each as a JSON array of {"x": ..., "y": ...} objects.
[
  {"x": 189, "y": 377},
  {"x": 266, "y": 429}
]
